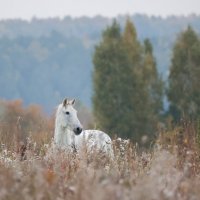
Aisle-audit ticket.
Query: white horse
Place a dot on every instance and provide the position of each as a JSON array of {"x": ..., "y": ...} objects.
[{"x": 69, "y": 133}]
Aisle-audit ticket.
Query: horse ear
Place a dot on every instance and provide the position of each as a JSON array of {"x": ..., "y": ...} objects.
[
  {"x": 73, "y": 101},
  {"x": 65, "y": 102}
]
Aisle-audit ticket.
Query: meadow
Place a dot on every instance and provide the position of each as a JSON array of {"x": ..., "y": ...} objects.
[{"x": 32, "y": 169}]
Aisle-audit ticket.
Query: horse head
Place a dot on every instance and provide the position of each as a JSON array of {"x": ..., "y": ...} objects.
[{"x": 67, "y": 116}]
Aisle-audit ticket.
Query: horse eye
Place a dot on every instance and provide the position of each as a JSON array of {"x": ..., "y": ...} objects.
[{"x": 67, "y": 113}]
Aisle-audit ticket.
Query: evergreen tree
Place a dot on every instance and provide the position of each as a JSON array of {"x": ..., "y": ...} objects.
[
  {"x": 138, "y": 96},
  {"x": 147, "y": 92},
  {"x": 126, "y": 96},
  {"x": 112, "y": 78},
  {"x": 153, "y": 88},
  {"x": 184, "y": 78}
]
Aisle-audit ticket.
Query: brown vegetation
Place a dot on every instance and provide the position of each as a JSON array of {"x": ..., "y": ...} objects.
[
  {"x": 170, "y": 170},
  {"x": 18, "y": 123}
]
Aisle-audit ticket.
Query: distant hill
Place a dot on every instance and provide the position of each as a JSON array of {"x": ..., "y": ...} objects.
[{"x": 44, "y": 60}]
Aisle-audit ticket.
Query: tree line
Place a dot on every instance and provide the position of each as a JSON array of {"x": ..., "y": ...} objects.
[
  {"x": 128, "y": 90},
  {"x": 53, "y": 57}
]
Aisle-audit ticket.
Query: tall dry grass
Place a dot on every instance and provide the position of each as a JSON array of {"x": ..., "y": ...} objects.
[{"x": 170, "y": 170}]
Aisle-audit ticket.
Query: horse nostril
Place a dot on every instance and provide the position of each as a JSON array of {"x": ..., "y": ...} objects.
[{"x": 78, "y": 130}]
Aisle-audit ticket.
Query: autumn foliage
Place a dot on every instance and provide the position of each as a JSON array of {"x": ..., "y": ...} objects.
[
  {"x": 17, "y": 123},
  {"x": 169, "y": 170}
]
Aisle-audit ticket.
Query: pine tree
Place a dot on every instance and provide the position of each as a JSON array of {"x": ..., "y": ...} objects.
[
  {"x": 184, "y": 78},
  {"x": 108, "y": 101},
  {"x": 126, "y": 96},
  {"x": 147, "y": 92},
  {"x": 138, "y": 96},
  {"x": 153, "y": 85}
]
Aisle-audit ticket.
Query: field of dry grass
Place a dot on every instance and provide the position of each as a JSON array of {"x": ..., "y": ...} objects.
[{"x": 169, "y": 170}]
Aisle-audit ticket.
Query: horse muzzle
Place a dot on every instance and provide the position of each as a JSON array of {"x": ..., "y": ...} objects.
[{"x": 77, "y": 130}]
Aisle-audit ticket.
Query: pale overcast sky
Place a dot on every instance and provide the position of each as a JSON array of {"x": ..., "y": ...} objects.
[{"x": 26, "y": 9}]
